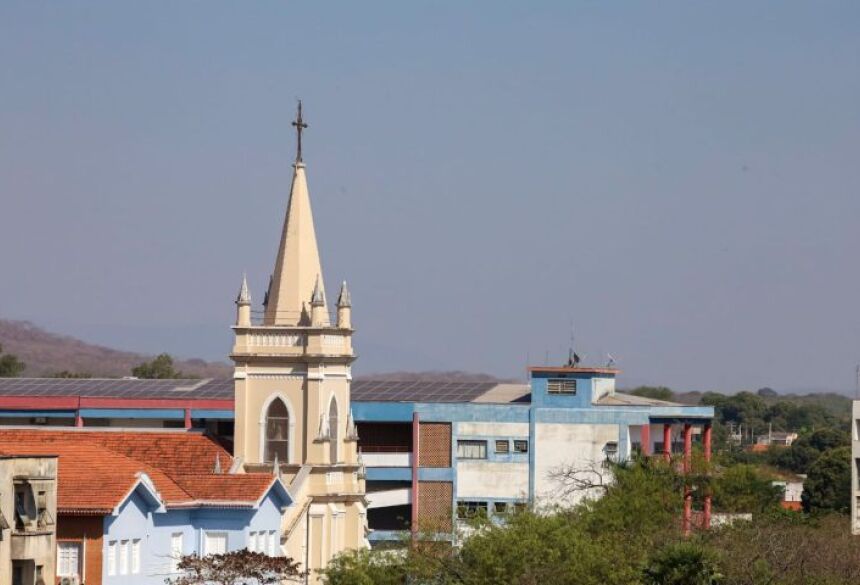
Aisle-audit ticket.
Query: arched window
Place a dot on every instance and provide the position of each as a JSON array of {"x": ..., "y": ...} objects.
[
  {"x": 333, "y": 429},
  {"x": 277, "y": 432}
]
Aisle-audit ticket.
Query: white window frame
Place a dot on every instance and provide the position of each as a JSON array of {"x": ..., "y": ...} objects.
[
  {"x": 111, "y": 557},
  {"x": 273, "y": 536},
  {"x": 135, "y": 556},
  {"x": 561, "y": 386},
  {"x": 521, "y": 445},
  {"x": 212, "y": 535},
  {"x": 176, "y": 551},
  {"x": 468, "y": 445},
  {"x": 123, "y": 556},
  {"x": 65, "y": 559}
]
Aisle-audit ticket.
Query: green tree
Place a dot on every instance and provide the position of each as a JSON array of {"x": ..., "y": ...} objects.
[
  {"x": 744, "y": 488},
  {"x": 656, "y": 392},
  {"x": 684, "y": 563},
  {"x": 68, "y": 374},
  {"x": 160, "y": 368},
  {"x": 828, "y": 484},
  {"x": 366, "y": 567},
  {"x": 10, "y": 365}
]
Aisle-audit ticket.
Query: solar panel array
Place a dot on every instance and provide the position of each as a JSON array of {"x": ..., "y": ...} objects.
[
  {"x": 418, "y": 391},
  {"x": 118, "y": 388}
]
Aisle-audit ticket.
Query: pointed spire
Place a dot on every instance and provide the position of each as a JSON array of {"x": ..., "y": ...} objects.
[
  {"x": 298, "y": 263},
  {"x": 318, "y": 296},
  {"x": 324, "y": 432},
  {"x": 351, "y": 429},
  {"x": 217, "y": 470},
  {"x": 244, "y": 297},
  {"x": 344, "y": 299}
]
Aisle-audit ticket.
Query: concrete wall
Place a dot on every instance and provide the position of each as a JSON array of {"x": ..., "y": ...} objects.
[
  {"x": 41, "y": 547},
  {"x": 579, "y": 446}
]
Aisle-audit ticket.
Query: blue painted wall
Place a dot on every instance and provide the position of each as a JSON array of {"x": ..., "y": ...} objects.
[{"x": 139, "y": 519}]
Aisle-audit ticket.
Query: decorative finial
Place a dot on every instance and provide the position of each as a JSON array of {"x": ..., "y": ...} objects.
[
  {"x": 217, "y": 470},
  {"x": 244, "y": 297},
  {"x": 318, "y": 298},
  {"x": 344, "y": 299},
  {"x": 300, "y": 125},
  {"x": 276, "y": 466}
]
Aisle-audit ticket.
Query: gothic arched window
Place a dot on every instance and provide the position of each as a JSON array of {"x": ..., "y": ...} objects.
[
  {"x": 277, "y": 432},
  {"x": 333, "y": 430}
]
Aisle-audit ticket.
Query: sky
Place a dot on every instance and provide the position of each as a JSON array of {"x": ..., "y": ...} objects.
[{"x": 672, "y": 183}]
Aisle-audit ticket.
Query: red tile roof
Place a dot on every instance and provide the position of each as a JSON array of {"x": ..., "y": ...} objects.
[{"x": 97, "y": 469}]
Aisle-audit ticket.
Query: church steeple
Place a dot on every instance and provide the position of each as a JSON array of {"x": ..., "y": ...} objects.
[{"x": 297, "y": 268}]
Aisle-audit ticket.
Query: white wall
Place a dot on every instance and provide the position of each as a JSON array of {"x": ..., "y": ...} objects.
[
  {"x": 492, "y": 479},
  {"x": 580, "y": 446},
  {"x": 466, "y": 429}
]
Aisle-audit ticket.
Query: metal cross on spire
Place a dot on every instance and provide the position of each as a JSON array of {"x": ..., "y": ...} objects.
[{"x": 300, "y": 125}]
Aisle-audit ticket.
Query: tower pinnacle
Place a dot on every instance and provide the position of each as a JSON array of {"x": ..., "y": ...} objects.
[{"x": 300, "y": 125}]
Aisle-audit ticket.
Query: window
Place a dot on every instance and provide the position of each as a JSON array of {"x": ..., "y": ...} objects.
[
  {"x": 503, "y": 446},
  {"x": 273, "y": 539},
  {"x": 25, "y": 506},
  {"x": 501, "y": 508},
  {"x": 135, "y": 556},
  {"x": 521, "y": 446},
  {"x": 43, "y": 516},
  {"x": 175, "y": 551},
  {"x": 466, "y": 510},
  {"x": 277, "y": 432},
  {"x": 68, "y": 559},
  {"x": 123, "y": 557},
  {"x": 611, "y": 450},
  {"x": 111, "y": 557},
  {"x": 252, "y": 541},
  {"x": 561, "y": 386},
  {"x": 471, "y": 449},
  {"x": 333, "y": 425},
  {"x": 215, "y": 543}
]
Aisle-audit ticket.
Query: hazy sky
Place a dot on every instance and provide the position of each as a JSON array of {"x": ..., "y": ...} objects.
[{"x": 678, "y": 179}]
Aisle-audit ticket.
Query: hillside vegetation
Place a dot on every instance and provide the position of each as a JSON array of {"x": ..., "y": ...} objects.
[{"x": 48, "y": 354}]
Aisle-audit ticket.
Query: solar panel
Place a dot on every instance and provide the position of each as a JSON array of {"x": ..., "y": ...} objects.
[
  {"x": 418, "y": 390},
  {"x": 117, "y": 388}
]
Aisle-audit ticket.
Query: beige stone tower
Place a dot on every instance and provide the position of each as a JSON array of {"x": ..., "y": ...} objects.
[{"x": 292, "y": 379}]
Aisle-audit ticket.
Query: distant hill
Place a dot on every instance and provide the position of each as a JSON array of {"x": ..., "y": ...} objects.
[
  {"x": 46, "y": 353},
  {"x": 451, "y": 376}
]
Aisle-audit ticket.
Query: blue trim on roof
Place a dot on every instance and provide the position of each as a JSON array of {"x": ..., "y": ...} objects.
[{"x": 38, "y": 413}]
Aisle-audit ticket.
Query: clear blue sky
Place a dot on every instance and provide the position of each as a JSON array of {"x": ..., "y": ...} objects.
[{"x": 679, "y": 179}]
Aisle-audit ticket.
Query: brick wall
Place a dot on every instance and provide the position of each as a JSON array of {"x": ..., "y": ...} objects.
[
  {"x": 89, "y": 530},
  {"x": 434, "y": 448},
  {"x": 435, "y": 503}
]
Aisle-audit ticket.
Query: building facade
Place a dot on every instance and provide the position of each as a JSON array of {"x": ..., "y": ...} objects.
[
  {"x": 28, "y": 512},
  {"x": 855, "y": 467}
]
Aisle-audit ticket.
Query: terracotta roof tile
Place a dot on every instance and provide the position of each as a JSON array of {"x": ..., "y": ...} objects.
[{"x": 98, "y": 468}]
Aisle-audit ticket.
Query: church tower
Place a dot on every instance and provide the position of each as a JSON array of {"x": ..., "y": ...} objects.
[{"x": 292, "y": 391}]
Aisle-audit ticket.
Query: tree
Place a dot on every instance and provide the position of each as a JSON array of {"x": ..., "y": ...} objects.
[
  {"x": 743, "y": 488},
  {"x": 10, "y": 365},
  {"x": 767, "y": 392},
  {"x": 684, "y": 563},
  {"x": 68, "y": 374},
  {"x": 828, "y": 484},
  {"x": 240, "y": 567},
  {"x": 656, "y": 392},
  {"x": 159, "y": 368}
]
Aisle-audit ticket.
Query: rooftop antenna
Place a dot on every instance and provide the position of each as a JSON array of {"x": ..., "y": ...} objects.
[
  {"x": 610, "y": 361},
  {"x": 572, "y": 356}
]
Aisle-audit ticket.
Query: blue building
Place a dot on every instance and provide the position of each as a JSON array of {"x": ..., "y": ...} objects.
[{"x": 130, "y": 504}]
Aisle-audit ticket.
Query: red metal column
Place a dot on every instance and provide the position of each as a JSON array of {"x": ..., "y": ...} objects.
[
  {"x": 416, "y": 436},
  {"x": 688, "y": 493},
  {"x": 667, "y": 441},
  {"x": 706, "y": 443},
  {"x": 187, "y": 418},
  {"x": 645, "y": 439}
]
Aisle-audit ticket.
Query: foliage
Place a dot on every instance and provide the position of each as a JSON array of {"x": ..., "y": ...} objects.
[
  {"x": 68, "y": 374},
  {"x": 787, "y": 549},
  {"x": 10, "y": 365},
  {"x": 828, "y": 484},
  {"x": 160, "y": 367},
  {"x": 744, "y": 488},
  {"x": 656, "y": 392},
  {"x": 364, "y": 567},
  {"x": 240, "y": 567},
  {"x": 683, "y": 563}
]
